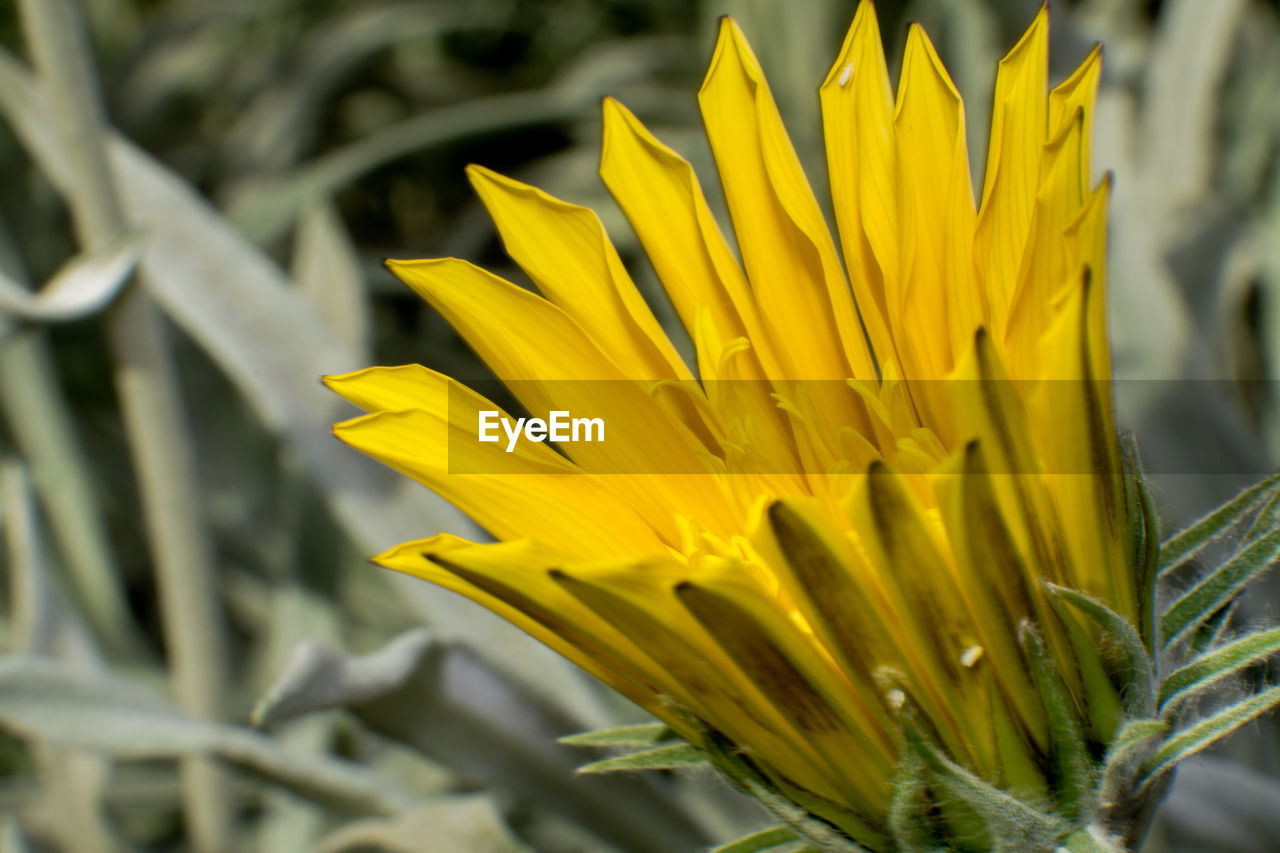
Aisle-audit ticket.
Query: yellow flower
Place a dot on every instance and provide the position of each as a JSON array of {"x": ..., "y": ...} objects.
[{"x": 889, "y": 446}]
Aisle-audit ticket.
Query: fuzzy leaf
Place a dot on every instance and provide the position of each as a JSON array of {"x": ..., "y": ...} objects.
[
  {"x": 1137, "y": 668},
  {"x": 1185, "y": 544},
  {"x": 1217, "y": 589},
  {"x": 670, "y": 757},
  {"x": 1209, "y": 669},
  {"x": 644, "y": 734},
  {"x": 1207, "y": 731},
  {"x": 775, "y": 839}
]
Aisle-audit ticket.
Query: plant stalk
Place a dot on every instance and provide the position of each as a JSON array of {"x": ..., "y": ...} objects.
[{"x": 151, "y": 408}]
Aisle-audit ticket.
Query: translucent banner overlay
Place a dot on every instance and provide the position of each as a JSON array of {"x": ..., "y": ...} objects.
[{"x": 637, "y": 427}]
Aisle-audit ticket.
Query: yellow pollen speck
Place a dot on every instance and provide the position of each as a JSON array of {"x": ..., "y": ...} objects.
[
  {"x": 896, "y": 699},
  {"x": 970, "y": 656}
]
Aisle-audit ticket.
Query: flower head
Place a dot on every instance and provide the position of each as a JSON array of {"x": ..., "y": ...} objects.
[{"x": 828, "y": 554}]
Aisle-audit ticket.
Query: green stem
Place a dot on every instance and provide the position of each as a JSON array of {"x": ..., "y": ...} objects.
[
  {"x": 150, "y": 405},
  {"x": 1085, "y": 841}
]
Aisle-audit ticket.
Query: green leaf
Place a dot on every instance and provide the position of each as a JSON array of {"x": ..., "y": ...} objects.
[
  {"x": 1210, "y": 634},
  {"x": 1067, "y": 744},
  {"x": 1217, "y": 589},
  {"x": 1137, "y": 669},
  {"x": 670, "y": 757},
  {"x": 1211, "y": 668},
  {"x": 775, "y": 839},
  {"x": 1266, "y": 518},
  {"x": 1207, "y": 731},
  {"x": 1190, "y": 541},
  {"x": 644, "y": 734}
]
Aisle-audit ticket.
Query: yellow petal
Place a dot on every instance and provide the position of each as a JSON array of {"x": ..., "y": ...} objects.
[
  {"x": 939, "y": 298},
  {"x": 787, "y": 249},
  {"x": 564, "y": 249},
  {"x": 510, "y": 578},
  {"x": 1079, "y": 92},
  {"x": 659, "y": 192},
  {"x": 787, "y": 668},
  {"x": 530, "y": 493},
  {"x": 857, "y": 123},
  {"x": 643, "y": 606},
  {"x": 549, "y": 363},
  {"x": 1019, "y": 126}
]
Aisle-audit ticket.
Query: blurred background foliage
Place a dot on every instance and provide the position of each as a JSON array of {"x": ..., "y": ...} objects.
[{"x": 196, "y": 655}]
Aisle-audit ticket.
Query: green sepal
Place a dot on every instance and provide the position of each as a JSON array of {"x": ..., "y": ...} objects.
[
  {"x": 1119, "y": 766},
  {"x": 1211, "y": 668},
  {"x": 1216, "y": 590},
  {"x": 1006, "y": 821},
  {"x": 1134, "y": 667},
  {"x": 640, "y": 735},
  {"x": 673, "y": 756},
  {"x": 911, "y": 816},
  {"x": 775, "y": 839},
  {"x": 1186, "y": 543},
  {"x": 1141, "y": 512},
  {"x": 1206, "y": 732},
  {"x": 1089, "y": 841},
  {"x": 1068, "y": 751},
  {"x": 824, "y": 825}
]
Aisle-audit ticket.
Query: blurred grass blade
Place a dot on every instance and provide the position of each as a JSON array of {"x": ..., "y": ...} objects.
[
  {"x": 1210, "y": 669},
  {"x": 84, "y": 286},
  {"x": 1187, "y": 543},
  {"x": 670, "y": 757},
  {"x": 109, "y": 715},
  {"x": 443, "y": 700},
  {"x": 469, "y": 822},
  {"x": 239, "y": 307},
  {"x": 1216, "y": 590},
  {"x": 146, "y": 382},
  {"x": 327, "y": 268}
]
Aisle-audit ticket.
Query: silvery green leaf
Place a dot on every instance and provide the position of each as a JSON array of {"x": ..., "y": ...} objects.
[
  {"x": 1211, "y": 668},
  {"x": 318, "y": 677},
  {"x": 669, "y": 757},
  {"x": 445, "y": 701},
  {"x": 111, "y": 716},
  {"x": 1207, "y": 731},
  {"x": 1217, "y": 589},
  {"x": 642, "y": 734},
  {"x": 327, "y": 269},
  {"x": 237, "y": 304},
  {"x": 467, "y": 822},
  {"x": 1189, "y": 542},
  {"x": 84, "y": 286}
]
